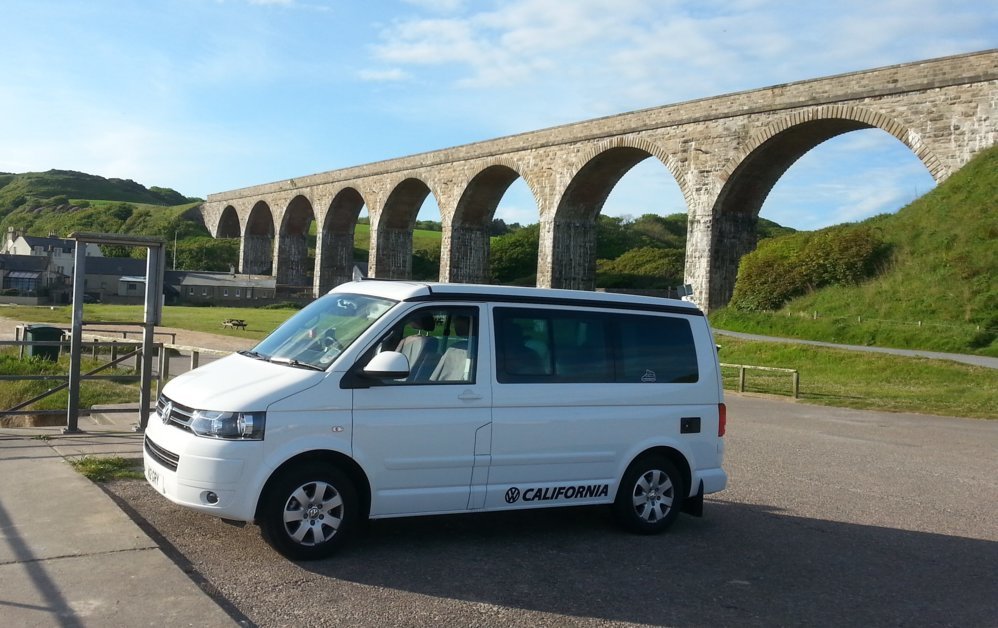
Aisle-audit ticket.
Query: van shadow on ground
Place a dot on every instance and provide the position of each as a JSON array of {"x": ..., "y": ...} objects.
[{"x": 743, "y": 564}]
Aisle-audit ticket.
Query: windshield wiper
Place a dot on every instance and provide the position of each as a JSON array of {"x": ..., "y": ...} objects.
[
  {"x": 254, "y": 355},
  {"x": 296, "y": 363}
]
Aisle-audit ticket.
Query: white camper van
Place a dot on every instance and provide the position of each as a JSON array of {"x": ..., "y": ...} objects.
[{"x": 394, "y": 399}]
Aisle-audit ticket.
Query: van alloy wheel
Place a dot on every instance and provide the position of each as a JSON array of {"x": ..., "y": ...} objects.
[
  {"x": 650, "y": 495},
  {"x": 653, "y": 496},
  {"x": 308, "y": 510},
  {"x": 313, "y": 513}
]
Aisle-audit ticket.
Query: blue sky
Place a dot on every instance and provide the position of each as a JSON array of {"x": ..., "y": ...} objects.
[{"x": 205, "y": 96}]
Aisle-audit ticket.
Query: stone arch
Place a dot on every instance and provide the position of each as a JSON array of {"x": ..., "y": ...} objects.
[
  {"x": 754, "y": 170},
  {"x": 335, "y": 244},
  {"x": 291, "y": 254},
  {"x": 571, "y": 232},
  {"x": 391, "y": 242},
  {"x": 467, "y": 235},
  {"x": 851, "y": 118},
  {"x": 256, "y": 254},
  {"x": 228, "y": 224}
]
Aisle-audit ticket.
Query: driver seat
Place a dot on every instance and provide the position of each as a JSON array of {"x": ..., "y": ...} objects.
[{"x": 417, "y": 348}]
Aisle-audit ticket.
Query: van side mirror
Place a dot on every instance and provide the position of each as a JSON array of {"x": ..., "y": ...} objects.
[{"x": 388, "y": 365}]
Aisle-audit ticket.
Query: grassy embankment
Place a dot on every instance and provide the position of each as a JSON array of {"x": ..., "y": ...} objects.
[
  {"x": 828, "y": 376},
  {"x": 936, "y": 291}
]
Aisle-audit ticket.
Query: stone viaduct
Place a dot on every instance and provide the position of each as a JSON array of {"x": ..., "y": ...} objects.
[{"x": 726, "y": 153}]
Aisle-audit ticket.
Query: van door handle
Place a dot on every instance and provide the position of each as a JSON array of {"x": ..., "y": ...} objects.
[{"x": 469, "y": 395}]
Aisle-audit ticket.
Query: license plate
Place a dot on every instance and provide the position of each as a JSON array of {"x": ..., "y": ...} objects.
[{"x": 153, "y": 478}]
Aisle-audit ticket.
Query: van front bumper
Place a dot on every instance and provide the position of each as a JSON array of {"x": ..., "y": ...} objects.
[{"x": 207, "y": 475}]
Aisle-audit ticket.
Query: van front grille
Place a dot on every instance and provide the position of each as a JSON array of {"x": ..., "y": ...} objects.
[
  {"x": 163, "y": 456},
  {"x": 175, "y": 414}
]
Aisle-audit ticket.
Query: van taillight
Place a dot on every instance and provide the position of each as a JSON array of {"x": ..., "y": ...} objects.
[{"x": 722, "y": 419}]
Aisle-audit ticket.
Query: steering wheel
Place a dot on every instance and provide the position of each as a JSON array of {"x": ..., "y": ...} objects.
[{"x": 329, "y": 341}]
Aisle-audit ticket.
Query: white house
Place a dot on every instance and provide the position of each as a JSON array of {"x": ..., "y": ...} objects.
[{"x": 61, "y": 251}]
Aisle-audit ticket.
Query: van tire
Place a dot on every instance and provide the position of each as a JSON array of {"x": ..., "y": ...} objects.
[
  {"x": 650, "y": 495},
  {"x": 308, "y": 511}
]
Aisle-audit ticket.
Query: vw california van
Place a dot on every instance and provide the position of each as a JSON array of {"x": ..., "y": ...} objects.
[{"x": 395, "y": 399}]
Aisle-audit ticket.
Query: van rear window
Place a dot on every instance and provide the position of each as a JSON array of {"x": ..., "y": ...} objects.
[{"x": 546, "y": 345}]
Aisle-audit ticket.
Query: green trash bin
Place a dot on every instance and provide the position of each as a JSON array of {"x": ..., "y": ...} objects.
[{"x": 43, "y": 333}]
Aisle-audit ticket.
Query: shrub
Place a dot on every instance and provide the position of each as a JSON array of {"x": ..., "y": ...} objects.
[{"x": 789, "y": 266}]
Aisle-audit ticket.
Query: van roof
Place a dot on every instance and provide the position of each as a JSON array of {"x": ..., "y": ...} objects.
[{"x": 418, "y": 291}]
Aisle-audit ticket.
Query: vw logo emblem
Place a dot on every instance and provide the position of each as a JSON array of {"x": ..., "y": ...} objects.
[
  {"x": 512, "y": 495},
  {"x": 167, "y": 411}
]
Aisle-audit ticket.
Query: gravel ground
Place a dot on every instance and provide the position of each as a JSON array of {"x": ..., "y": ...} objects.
[{"x": 832, "y": 517}]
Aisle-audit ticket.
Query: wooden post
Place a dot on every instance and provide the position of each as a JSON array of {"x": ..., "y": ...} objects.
[
  {"x": 195, "y": 355},
  {"x": 796, "y": 377},
  {"x": 741, "y": 379},
  {"x": 166, "y": 363}
]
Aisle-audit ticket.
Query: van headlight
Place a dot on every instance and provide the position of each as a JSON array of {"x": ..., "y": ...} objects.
[{"x": 228, "y": 425}]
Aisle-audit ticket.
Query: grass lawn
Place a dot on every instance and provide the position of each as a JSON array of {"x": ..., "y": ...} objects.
[
  {"x": 259, "y": 322},
  {"x": 92, "y": 392},
  {"x": 866, "y": 380}
]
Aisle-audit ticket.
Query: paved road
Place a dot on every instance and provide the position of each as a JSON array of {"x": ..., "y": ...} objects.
[
  {"x": 833, "y": 517},
  {"x": 975, "y": 360}
]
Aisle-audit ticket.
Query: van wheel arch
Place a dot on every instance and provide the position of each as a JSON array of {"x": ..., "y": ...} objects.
[
  {"x": 677, "y": 459},
  {"x": 343, "y": 462}
]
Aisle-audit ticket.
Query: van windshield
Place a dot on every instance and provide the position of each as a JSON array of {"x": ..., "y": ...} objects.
[{"x": 316, "y": 335}]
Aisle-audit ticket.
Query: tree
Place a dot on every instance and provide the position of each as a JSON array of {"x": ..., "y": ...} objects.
[{"x": 513, "y": 258}]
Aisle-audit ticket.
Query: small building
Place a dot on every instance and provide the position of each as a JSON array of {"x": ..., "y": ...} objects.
[
  {"x": 229, "y": 289},
  {"x": 31, "y": 280},
  {"x": 104, "y": 274}
]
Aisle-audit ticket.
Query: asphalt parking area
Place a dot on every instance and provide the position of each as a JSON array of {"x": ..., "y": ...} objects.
[{"x": 832, "y": 517}]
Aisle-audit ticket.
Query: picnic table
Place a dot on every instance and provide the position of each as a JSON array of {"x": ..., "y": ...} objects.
[{"x": 234, "y": 322}]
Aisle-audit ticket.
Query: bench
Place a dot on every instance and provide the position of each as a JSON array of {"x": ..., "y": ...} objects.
[{"x": 232, "y": 323}]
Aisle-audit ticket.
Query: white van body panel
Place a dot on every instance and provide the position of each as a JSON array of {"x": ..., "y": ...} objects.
[
  {"x": 418, "y": 443},
  {"x": 441, "y": 447},
  {"x": 239, "y": 383}
]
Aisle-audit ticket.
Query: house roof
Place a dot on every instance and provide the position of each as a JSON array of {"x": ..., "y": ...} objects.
[
  {"x": 24, "y": 263},
  {"x": 195, "y": 278},
  {"x": 68, "y": 246},
  {"x": 115, "y": 266}
]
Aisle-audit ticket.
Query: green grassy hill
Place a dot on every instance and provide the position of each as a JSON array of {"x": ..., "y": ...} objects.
[
  {"x": 934, "y": 289},
  {"x": 62, "y": 201},
  {"x": 18, "y": 189}
]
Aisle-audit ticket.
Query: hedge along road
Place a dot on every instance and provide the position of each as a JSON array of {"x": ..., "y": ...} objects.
[
  {"x": 832, "y": 517},
  {"x": 974, "y": 360}
]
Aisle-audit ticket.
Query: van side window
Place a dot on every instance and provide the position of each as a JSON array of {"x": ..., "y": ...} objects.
[
  {"x": 656, "y": 349},
  {"x": 542, "y": 345},
  {"x": 552, "y": 346},
  {"x": 440, "y": 344}
]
